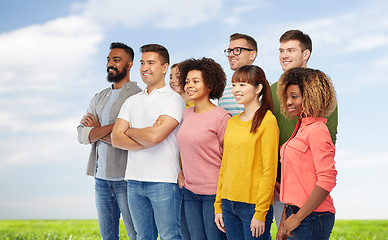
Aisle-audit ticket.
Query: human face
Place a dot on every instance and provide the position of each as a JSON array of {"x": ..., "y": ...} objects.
[
  {"x": 244, "y": 58},
  {"x": 195, "y": 86},
  {"x": 294, "y": 100},
  {"x": 152, "y": 71},
  {"x": 174, "y": 81},
  {"x": 118, "y": 65},
  {"x": 291, "y": 55},
  {"x": 245, "y": 93}
]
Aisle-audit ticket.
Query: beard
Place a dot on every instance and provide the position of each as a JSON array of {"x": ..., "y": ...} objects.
[{"x": 118, "y": 76}]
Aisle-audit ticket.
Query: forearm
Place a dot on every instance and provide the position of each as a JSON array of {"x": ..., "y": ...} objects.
[
  {"x": 98, "y": 133},
  {"x": 317, "y": 196},
  {"x": 144, "y": 136},
  {"x": 120, "y": 140}
]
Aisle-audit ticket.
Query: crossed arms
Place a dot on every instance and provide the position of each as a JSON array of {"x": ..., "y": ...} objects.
[{"x": 127, "y": 138}]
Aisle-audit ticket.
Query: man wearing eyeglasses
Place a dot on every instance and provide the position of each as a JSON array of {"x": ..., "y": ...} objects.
[{"x": 242, "y": 51}]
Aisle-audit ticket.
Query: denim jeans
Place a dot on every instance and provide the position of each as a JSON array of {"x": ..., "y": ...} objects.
[
  {"x": 316, "y": 226},
  {"x": 199, "y": 211},
  {"x": 155, "y": 207},
  {"x": 237, "y": 219},
  {"x": 185, "y": 230},
  {"x": 111, "y": 200}
]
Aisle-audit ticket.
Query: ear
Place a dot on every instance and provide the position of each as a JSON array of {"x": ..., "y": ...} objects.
[
  {"x": 306, "y": 55},
  {"x": 253, "y": 55},
  {"x": 165, "y": 68},
  {"x": 259, "y": 88},
  {"x": 130, "y": 64}
]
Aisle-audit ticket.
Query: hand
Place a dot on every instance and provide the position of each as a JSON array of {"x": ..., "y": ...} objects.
[
  {"x": 290, "y": 224},
  {"x": 280, "y": 235},
  {"x": 89, "y": 121},
  {"x": 276, "y": 193},
  {"x": 257, "y": 227},
  {"x": 219, "y": 221},
  {"x": 181, "y": 179}
]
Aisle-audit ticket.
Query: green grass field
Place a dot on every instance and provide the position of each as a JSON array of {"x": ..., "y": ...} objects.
[{"x": 88, "y": 229}]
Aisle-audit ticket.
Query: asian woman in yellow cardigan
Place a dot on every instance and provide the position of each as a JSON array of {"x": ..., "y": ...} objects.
[{"x": 244, "y": 199}]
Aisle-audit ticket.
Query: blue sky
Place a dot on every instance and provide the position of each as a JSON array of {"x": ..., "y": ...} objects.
[{"x": 53, "y": 56}]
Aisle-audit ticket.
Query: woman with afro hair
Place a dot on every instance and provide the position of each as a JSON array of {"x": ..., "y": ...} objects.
[{"x": 201, "y": 140}]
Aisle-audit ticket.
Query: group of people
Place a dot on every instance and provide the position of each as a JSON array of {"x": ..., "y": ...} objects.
[{"x": 206, "y": 159}]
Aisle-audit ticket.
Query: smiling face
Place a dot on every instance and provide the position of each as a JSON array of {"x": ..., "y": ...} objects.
[
  {"x": 244, "y": 58},
  {"x": 245, "y": 93},
  {"x": 291, "y": 55},
  {"x": 152, "y": 71},
  {"x": 118, "y": 65},
  {"x": 174, "y": 81},
  {"x": 195, "y": 86},
  {"x": 294, "y": 100}
]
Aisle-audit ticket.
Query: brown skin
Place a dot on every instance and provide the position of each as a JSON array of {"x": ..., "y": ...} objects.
[{"x": 119, "y": 59}]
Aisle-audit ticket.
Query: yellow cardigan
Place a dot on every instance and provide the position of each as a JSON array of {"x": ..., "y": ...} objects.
[{"x": 249, "y": 164}]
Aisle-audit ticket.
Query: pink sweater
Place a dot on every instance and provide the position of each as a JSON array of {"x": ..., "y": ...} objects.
[
  {"x": 201, "y": 141},
  {"x": 307, "y": 160}
]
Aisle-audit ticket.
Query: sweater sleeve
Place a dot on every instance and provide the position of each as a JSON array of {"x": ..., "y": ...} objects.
[
  {"x": 269, "y": 144},
  {"x": 218, "y": 201},
  {"x": 332, "y": 124},
  {"x": 83, "y": 132},
  {"x": 323, "y": 152}
]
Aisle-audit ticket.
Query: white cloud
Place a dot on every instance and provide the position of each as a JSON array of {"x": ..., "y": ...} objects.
[
  {"x": 43, "y": 56},
  {"x": 363, "y": 28},
  {"x": 40, "y": 77},
  {"x": 161, "y": 14}
]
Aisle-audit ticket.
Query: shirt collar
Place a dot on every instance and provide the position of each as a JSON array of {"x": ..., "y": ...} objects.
[
  {"x": 310, "y": 120},
  {"x": 157, "y": 90}
]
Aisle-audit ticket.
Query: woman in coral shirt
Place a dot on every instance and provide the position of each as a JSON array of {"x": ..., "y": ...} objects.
[{"x": 307, "y": 158}]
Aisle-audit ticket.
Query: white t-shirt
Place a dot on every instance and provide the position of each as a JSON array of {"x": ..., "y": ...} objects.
[{"x": 159, "y": 163}]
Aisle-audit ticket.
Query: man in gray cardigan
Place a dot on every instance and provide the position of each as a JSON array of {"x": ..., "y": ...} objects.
[{"x": 106, "y": 163}]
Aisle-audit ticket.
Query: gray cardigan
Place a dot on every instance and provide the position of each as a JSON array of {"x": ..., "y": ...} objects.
[{"x": 117, "y": 158}]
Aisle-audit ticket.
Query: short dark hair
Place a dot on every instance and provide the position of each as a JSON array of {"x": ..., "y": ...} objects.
[
  {"x": 251, "y": 41},
  {"x": 213, "y": 75},
  {"x": 162, "y": 51},
  {"x": 125, "y": 47},
  {"x": 303, "y": 38}
]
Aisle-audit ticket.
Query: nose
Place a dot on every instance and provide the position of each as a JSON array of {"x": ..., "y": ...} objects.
[{"x": 289, "y": 101}]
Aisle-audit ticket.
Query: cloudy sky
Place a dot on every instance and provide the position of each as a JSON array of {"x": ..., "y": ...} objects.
[{"x": 52, "y": 61}]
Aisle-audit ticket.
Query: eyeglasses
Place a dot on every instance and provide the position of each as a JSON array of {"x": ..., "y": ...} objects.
[{"x": 236, "y": 51}]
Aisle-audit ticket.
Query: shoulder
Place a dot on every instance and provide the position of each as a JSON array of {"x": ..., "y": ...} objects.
[{"x": 269, "y": 117}]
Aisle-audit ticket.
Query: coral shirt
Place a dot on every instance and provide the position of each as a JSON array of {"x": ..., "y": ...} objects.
[{"x": 307, "y": 160}]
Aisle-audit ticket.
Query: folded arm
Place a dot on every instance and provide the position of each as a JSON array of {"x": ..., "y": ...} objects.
[
  {"x": 155, "y": 134},
  {"x": 121, "y": 140}
]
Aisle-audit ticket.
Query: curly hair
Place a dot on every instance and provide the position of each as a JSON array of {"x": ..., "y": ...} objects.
[
  {"x": 255, "y": 76},
  {"x": 318, "y": 93},
  {"x": 213, "y": 75}
]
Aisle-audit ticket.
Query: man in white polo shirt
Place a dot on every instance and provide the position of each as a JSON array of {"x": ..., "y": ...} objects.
[{"x": 147, "y": 127}]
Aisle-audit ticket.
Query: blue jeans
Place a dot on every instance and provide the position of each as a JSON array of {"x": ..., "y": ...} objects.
[
  {"x": 155, "y": 207},
  {"x": 185, "y": 230},
  {"x": 316, "y": 226},
  {"x": 237, "y": 219},
  {"x": 199, "y": 211},
  {"x": 111, "y": 200}
]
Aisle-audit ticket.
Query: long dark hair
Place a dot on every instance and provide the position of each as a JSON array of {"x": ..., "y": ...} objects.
[{"x": 255, "y": 76}]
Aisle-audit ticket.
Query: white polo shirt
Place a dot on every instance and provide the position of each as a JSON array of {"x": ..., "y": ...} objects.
[{"x": 159, "y": 163}]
